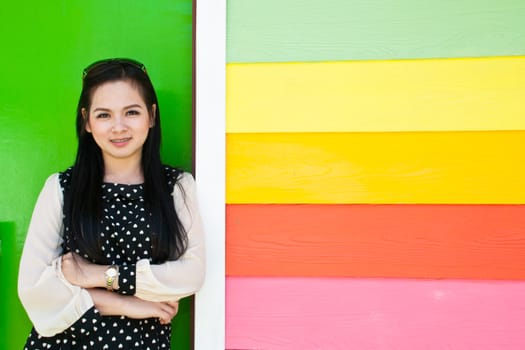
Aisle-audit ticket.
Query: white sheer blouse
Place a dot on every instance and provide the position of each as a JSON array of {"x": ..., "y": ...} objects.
[{"x": 53, "y": 304}]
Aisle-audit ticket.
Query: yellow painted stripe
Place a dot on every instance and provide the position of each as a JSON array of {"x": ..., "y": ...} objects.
[
  {"x": 426, "y": 167},
  {"x": 411, "y": 95}
]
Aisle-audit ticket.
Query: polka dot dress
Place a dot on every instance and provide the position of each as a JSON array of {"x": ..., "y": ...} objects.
[{"x": 126, "y": 239}]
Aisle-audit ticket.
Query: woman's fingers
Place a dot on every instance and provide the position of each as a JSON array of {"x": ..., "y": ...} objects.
[
  {"x": 69, "y": 268},
  {"x": 80, "y": 272},
  {"x": 169, "y": 310},
  {"x": 67, "y": 257},
  {"x": 174, "y": 305}
]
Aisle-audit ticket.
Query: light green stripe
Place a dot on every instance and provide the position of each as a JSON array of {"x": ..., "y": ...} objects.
[{"x": 332, "y": 30}]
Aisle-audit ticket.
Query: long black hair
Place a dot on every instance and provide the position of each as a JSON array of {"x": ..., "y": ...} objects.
[{"x": 83, "y": 199}]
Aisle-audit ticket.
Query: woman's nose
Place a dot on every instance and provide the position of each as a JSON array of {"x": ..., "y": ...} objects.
[{"x": 119, "y": 124}]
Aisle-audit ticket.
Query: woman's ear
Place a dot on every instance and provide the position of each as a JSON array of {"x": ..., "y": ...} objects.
[
  {"x": 86, "y": 120},
  {"x": 153, "y": 115}
]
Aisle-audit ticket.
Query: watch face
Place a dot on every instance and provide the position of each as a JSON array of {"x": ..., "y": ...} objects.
[{"x": 111, "y": 272}]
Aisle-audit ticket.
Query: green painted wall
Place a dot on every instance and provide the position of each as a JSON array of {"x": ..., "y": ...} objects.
[
  {"x": 45, "y": 46},
  {"x": 340, "y": 30}
]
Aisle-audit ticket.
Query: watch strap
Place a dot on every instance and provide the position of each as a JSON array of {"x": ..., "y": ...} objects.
[{"x": 111, "y": 274}]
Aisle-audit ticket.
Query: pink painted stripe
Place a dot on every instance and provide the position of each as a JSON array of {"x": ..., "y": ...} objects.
[{"x": 366, "y": 314}]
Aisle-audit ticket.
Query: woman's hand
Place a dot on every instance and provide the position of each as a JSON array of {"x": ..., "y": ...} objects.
[
  {"x": 113, "y": 304},
  {"x": 164, "y": 311},
  {"x": 80, "y": 272}
]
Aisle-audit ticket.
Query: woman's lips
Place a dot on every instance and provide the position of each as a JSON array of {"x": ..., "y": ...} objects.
[{"x": 120, "y": 142}]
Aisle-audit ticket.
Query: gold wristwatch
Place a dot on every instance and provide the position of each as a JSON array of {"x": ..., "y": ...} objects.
[{"x": 111, "y": 275}]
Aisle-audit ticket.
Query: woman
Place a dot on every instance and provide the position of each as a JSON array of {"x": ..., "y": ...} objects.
[{"x": 115, "y": 241}]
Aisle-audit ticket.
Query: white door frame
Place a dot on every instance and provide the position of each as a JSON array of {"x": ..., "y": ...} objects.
[{"x": 210, "y": 162}]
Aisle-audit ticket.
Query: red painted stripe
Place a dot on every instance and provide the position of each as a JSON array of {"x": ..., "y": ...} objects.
[
  {"x": 302, "y": 313},
  {"x": 405, "y": 241}
]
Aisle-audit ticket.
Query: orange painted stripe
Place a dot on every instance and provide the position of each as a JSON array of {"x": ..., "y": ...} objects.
[{"x": 405, "y": 241}]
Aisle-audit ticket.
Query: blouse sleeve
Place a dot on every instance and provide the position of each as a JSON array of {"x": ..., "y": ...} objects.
[
  {"x": 173, "y": 280},
  {"x": 51, "y": 302}
]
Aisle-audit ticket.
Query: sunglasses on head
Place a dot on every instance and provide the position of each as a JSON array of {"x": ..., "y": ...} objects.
[{"x": 112, "y": 62}]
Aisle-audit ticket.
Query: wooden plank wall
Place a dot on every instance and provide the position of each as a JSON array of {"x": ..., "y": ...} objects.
[{"x": 375, "y": 172}]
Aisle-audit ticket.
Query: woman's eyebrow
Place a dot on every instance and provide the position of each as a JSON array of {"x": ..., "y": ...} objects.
[
  {"x": 109, "y": 110},
  {"x": 133, "y": 106},
  {"x": 102, "y": 109}
]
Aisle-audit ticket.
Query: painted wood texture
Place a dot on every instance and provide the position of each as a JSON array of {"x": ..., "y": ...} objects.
[
  {"x": 279, "y": 313},
  {"x": 414, "y": 95},
  {"x": 405, "y": 241},
  {"x": 331, "y": 30},
  {"x": 382, "y": 168}
]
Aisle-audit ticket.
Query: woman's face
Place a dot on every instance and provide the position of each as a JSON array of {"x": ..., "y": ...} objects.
[{"x": 119, "y": 121}]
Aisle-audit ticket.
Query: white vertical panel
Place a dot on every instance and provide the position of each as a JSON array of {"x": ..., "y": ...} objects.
[{"x": 210, "y": 168}]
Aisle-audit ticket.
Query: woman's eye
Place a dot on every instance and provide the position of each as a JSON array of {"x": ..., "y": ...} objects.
[
  {"x": 103, "y": 115},
  {"x": 133, "y": 112}
]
